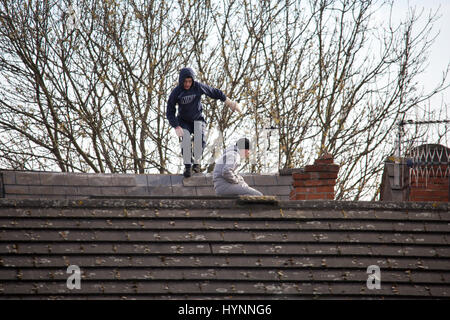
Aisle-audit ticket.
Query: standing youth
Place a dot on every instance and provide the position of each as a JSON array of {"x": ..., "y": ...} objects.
[{"x": 187, "y": 96}]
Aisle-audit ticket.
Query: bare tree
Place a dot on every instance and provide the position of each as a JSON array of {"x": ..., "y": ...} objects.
[
  {"x": 366, "y": 85},
  {"x": 339, "y": 83},
  {"x": 86, "y": 89},
  {"x": 89, "y": 98}
]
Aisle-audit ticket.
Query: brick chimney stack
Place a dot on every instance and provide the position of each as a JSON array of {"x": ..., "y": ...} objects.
[
  {"x": 432, "y": 185},
  {"x": 317, "y": 182}
]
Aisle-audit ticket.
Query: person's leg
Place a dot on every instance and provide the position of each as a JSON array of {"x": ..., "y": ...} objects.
[
  {"x": 251, "y": 191},
  {"x": 199, "y": 135},
  {"x": 186, "y": 147},
  {"x": 226, "y": 188}
]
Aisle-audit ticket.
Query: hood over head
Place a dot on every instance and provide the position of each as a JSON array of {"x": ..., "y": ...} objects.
[{"x": 185, "y": 73}]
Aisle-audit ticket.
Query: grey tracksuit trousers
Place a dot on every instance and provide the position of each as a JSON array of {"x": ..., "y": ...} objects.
[{"x": 226, "y": 180}]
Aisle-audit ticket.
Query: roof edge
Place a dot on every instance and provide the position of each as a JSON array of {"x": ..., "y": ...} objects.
[{"x": 222, "y": 203}]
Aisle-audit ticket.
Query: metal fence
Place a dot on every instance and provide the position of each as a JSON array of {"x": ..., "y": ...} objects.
[{"x": 425, "y": 160}]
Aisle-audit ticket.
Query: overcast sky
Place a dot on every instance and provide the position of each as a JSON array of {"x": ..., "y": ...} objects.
[{"x": 440, "y": 51}]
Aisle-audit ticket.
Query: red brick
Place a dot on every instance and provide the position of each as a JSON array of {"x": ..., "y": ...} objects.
[
  {"x": 320, "y": 196},
  {"x": 302, "y": 176},
  {"x": 422, "y": 194},
  {"x": 429, "y": 192},
  {"x": 298, "y": 197},
  {"x": 327, "y": 156},
  {"x": 323, "y": 161},
  {"x": 312, "y": 196},
  {"x": 314, "y": 183},
  {"x": 328, "y": 175},
  {"x": 305, "y": 189},
  {"x": 315, "y": 175},
  {"x": 327, "y": 189},
  {"x": 322, "y": 168},
  {"x": 430, "y": 186},
  {"x": 430, "y": 180}
]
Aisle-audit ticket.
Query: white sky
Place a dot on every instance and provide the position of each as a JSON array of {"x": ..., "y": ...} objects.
[{"x": 440, "y": 50}]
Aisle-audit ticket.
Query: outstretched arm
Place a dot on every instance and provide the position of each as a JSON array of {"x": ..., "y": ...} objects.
[
  {"x": 233, "y": 105},
  {"x": 212, "y": 92},
  {"x": 218, "y": 94}
]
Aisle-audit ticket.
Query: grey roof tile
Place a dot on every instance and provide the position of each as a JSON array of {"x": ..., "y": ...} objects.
[
  {"x": 8, "y": 177},
  {"x": 27, "y": 178},
  {"x": 155, "y": 180},
  {"x": 219, "y": 248},
  {"x": 265, "y": 180}
]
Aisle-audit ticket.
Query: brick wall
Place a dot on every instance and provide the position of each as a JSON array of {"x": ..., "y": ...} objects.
[
  {"x": 432, "y": 186},
  {"x": 317, "y": 182},
  {"x": 55, "y": 185},
  {"x": 429, "y": 183}
]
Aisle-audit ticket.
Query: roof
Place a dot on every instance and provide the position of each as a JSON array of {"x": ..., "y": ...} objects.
[
  {"x": 222, "y": 248},
  {"x": 64, "y": 185}
]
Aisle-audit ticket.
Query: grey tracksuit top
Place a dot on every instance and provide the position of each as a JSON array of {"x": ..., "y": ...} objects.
[{"x": 224, "y": 170}]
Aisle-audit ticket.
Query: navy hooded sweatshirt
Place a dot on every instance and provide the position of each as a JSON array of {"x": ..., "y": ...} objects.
[{"x": 189, "y": 105}]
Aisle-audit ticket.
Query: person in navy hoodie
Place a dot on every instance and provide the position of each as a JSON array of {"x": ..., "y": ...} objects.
[{"x": 187, "y": 95}]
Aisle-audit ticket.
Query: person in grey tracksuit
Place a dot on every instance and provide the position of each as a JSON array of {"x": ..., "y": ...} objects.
[{"x": 226, "y": 180}]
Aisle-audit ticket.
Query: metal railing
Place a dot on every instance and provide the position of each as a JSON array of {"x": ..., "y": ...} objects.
[{"x": 423, "y": 160}]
